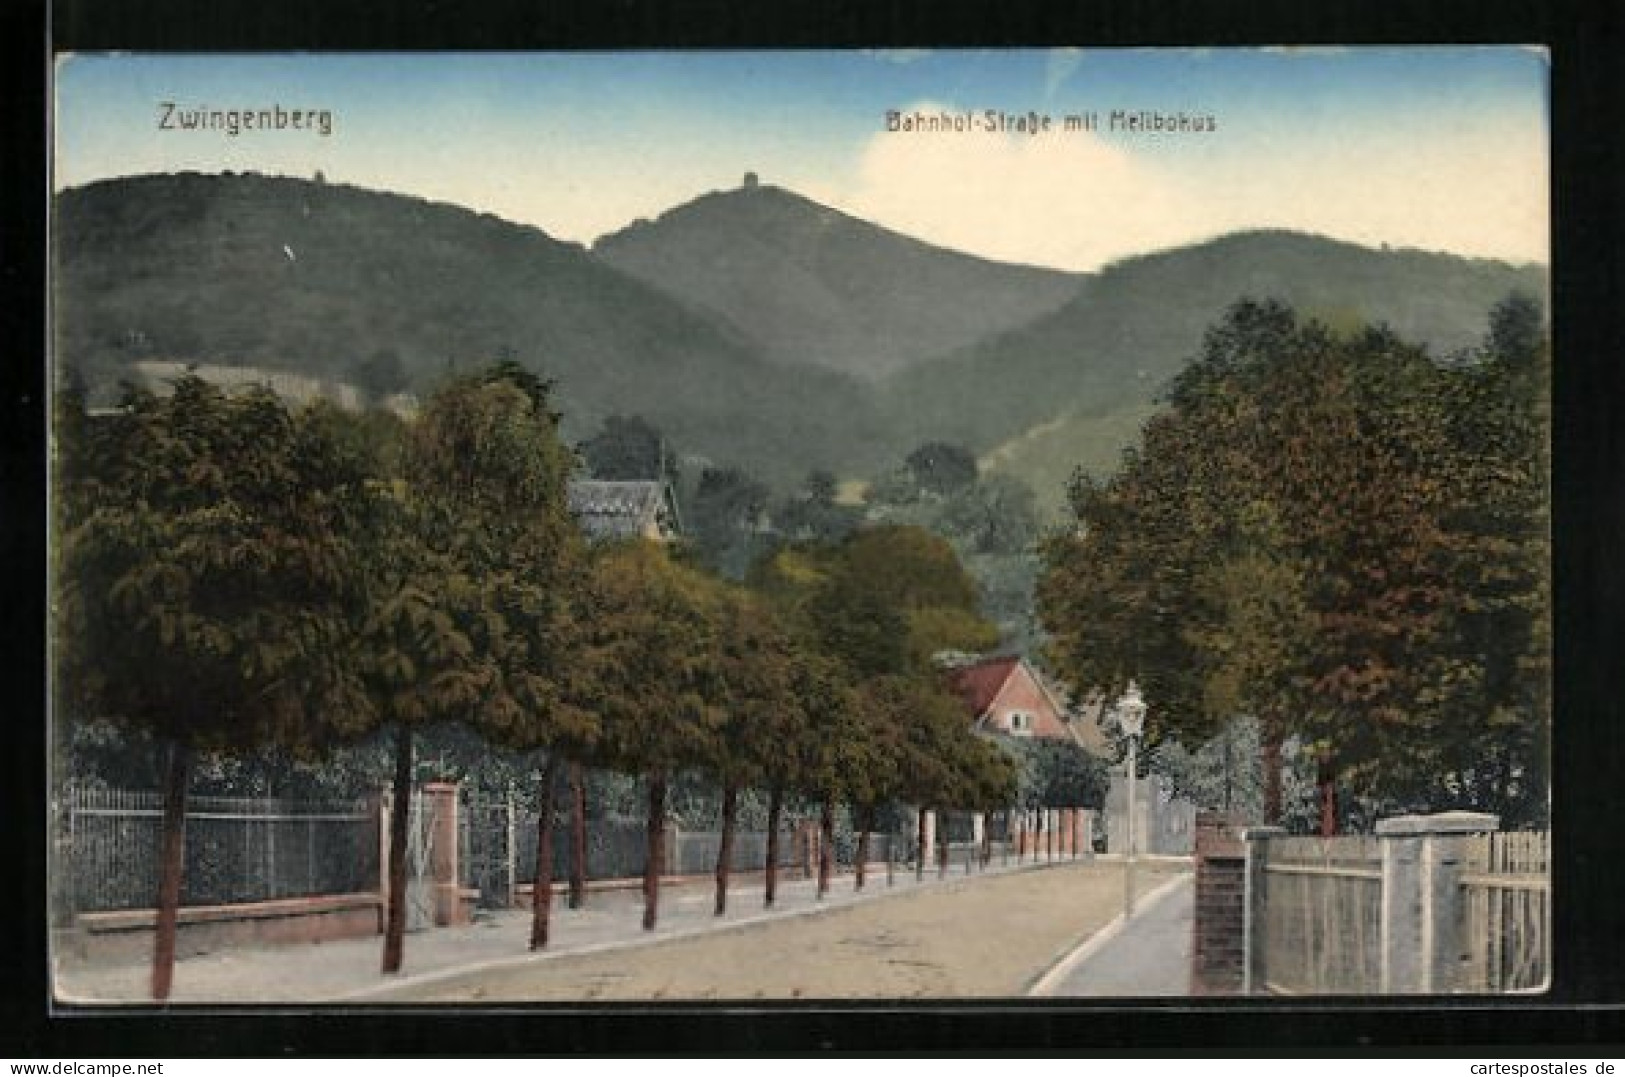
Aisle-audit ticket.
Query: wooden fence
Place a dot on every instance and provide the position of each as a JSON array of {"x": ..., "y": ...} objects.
[
  {"x": 1320, "y": 902},
  {"x": 1432, "y": 904},
  {"x": 1506, "y": 887}
]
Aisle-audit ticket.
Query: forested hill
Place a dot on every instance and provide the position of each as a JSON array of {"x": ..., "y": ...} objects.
[
  {"x": 817, "y": 287},
  {"x": 1136, "y": 323},
  {"x": 761, "y": 293},
  {"x": 305, "y": 277}
]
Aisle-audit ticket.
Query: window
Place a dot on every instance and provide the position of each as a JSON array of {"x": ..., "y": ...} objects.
[{"x": 1021, "y": 722}]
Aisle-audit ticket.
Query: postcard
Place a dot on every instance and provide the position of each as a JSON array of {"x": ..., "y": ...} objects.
[{"x": 879, "y": 524}]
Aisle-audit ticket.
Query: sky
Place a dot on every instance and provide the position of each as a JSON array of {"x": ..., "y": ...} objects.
[{"x": 1439, "y": 148}]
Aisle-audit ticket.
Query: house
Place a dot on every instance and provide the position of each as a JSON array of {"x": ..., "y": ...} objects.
[
  {"x": 1006, "y": 696},
  {"x": 620, "y": 510}
]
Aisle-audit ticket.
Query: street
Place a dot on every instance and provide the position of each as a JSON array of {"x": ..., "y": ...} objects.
[
  {"x": 986, "y": 936},
  {"x": 991, "y": 934}
]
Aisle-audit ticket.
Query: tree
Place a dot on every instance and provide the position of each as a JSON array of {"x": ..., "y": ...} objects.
[
  {"x": 203, "y": 567},
  {"x": 726, "y": 517},
  {"x": 1491, "y": 676},
  {"x": 1302, "y": 536},
  {"x": 878, "y": 606},
  {"x": 997, "y": 514},
  {"x": 629, "y": 449},
  {"x": 1053, "y": 773},
  {"x": 651, "y": 649},
  {"x": 942, "y": 468},
  {"x": 379, "y": 375},
  {"x": 526, "y": 555},
  {"x": 900, "y": 575},
  {"x": 754, "y": 680},
  {"x": 462, "y": 576},
  {"x": 813, "y": 514}
]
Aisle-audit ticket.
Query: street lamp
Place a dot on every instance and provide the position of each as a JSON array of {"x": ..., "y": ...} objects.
[{"x": 1130, "y": 713}]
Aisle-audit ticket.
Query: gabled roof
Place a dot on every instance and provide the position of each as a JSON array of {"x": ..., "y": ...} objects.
[
  {"x": 612, "y": 510},
  {"x": 978, "y": 684}
]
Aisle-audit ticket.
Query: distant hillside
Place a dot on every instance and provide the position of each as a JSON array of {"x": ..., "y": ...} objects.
[
  {"x": 1107, "y": 354},
  {"x": 1045, "y": 456},
  {"x": 759, "y": 292},
  {"x": 817, "y": 287},
  {"x": 295, "y": 275}
]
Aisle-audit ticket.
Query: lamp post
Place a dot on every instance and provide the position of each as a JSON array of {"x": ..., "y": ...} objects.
[{"x": 1130, "y": 712}]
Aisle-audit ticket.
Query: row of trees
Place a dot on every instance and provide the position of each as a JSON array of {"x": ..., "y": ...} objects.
[
  {"x": 232, "y": 574},
  {"x": 1344, "y": 536}
]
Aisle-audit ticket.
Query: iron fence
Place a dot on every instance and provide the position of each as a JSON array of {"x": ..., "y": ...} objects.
[
  {"x": 236, "y": 850},
  {"x": 498, "y": 854},
  {"x": 697, "y": 851}
]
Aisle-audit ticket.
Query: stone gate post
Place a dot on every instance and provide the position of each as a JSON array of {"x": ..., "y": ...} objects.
[
  {"x": 1421, "y": 898},
  {"x": 440, "y": 803},
  {"x": 1254, "y": 971}
]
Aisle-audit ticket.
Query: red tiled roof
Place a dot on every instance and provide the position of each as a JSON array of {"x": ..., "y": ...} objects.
[{"x": 978, "y": 685}]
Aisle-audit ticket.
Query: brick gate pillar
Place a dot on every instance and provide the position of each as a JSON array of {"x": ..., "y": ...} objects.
[{"x": 1218, "y": 956}]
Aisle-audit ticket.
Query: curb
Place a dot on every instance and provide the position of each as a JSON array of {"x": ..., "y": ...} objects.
[{"x": 1049, "y": 980}]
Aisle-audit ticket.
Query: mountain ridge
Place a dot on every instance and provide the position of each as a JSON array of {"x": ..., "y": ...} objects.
[
  {"x": 313, "y": 278},
  {"x": 817, "y": 286},
  {"x": 1117, "y": 342}
]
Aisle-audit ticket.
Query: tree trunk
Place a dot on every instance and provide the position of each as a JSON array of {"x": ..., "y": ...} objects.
[
  {"x": 891, "y": 854},
  {"x": 1326, "y": 786},
  {"x": 942, "y": 845},
  {"x": 919, "y": 854},
  {"x": 725, "y": 851},
  {"x": 1270, "y": 751},
  {"x": 171, "y": 866},
  {"x": 656, "y": 858},
  {"x": 826, "y": 844},
  {"x": 866, "y": 824},
  {"x": 986, "y": 852},
  {"x": 395, "y": 917},
  {"x": 541, "y": 904},
  {"x": 578, "y": 836},
  {"x": 770, "y": 870}
]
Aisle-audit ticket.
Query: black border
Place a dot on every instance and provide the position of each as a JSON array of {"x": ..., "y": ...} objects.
[{"x": 1587, "y": 1006}]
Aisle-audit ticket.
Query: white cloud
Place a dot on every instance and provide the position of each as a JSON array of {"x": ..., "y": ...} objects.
[
  {"x": 1061, "y": 199},
  {"x": 1077, "y": 200}
]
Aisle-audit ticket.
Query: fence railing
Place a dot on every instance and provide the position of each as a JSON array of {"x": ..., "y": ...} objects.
[
  {"x": 1431, "y": 904},
  {"x": 237, "y": 850},
  {"x": 499, "y": 849}
]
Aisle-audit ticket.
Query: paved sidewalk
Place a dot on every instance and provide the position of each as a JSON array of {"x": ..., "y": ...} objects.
[
  {"x": 1149, "y": 955},
  {"x": 347, "y": 970}
]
